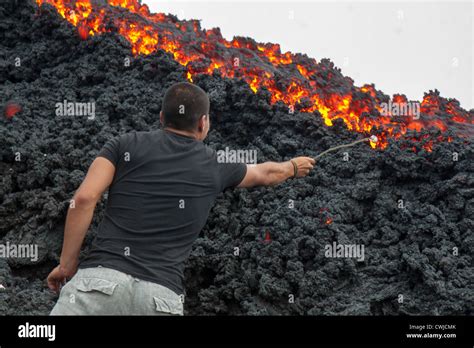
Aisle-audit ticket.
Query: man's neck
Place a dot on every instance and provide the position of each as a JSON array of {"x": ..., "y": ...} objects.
[{"x": 181, "y": 132}]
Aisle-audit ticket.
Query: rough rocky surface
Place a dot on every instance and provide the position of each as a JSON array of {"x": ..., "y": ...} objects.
[{"x": 409, "y": 250}]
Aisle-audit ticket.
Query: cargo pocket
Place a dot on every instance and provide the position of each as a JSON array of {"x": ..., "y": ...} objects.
[
  {"x": 96, "y": 284},
  {"x": 170, "y": 306}
]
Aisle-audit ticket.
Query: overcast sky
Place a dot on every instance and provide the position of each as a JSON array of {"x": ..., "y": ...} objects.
[{"x": 402, "y": 47}]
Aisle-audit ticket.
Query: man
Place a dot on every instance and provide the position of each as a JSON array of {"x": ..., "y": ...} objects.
[{"x": 162, "y": 185}]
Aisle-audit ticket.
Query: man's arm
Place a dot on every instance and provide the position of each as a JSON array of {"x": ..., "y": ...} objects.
[
  {"x": 273, "y": 173},
  {"x": 79, "y": 216}
]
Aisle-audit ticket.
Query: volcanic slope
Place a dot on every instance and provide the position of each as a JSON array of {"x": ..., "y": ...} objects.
[{"x": 412, "y": 210}]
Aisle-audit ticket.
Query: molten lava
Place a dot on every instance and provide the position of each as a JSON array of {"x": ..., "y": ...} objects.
[
  {"x": 11, "y": 109},
  {"x": 268, "y": 238},
  {"x": 294, "y": 79}
]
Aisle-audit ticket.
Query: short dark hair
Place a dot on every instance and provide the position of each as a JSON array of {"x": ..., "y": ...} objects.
[{"x": 183, "y": 105}]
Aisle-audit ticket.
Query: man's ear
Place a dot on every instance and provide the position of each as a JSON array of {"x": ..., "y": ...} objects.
[{"x": 202, "y": 123}]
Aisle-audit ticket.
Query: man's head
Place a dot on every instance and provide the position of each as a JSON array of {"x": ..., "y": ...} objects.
[{"x": 185, "y": 108}]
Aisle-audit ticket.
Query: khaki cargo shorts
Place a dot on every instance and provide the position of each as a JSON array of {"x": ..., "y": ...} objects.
[{"x": 104, "y": 291}]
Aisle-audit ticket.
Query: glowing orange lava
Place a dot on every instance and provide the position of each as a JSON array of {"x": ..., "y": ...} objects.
[{"x": 293, "y": 79}]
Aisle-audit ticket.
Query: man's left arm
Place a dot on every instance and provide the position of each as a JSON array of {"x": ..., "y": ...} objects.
[{"x": 79, "y": 216}]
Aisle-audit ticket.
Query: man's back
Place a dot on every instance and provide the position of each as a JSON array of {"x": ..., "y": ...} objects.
[
  {"x": 159, "y": 200},
  {"x": 162, "y": 185}
]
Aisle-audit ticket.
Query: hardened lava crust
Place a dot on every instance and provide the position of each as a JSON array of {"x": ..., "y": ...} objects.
[{"x": 262, "y": 251}]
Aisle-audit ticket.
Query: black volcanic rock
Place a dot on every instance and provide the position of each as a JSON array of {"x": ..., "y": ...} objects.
[{"x": 409, "y": 249}]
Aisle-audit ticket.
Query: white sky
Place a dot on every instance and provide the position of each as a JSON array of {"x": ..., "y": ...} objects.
[{"x": 402, "y": 47}]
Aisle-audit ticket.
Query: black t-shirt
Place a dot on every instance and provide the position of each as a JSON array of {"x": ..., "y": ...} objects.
[{"x": 158, "y": 202}]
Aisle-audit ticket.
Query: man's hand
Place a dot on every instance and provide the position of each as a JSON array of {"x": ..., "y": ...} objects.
[
  {"x": 59, "y": 276},
  {"x": 303, "y": 165},
  {"x": 272, "y": 173}
]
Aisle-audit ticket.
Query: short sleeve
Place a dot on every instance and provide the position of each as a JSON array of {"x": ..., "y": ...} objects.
[
  {"x": 231, "y": 174},
  {"x": 111, "y": 150}
]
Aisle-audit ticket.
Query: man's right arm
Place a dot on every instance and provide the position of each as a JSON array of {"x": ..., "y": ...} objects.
[{"x": 273, "y": 173}]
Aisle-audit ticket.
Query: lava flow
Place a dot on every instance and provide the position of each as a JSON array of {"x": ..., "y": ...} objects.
[{"x": 294, "y": 79}]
